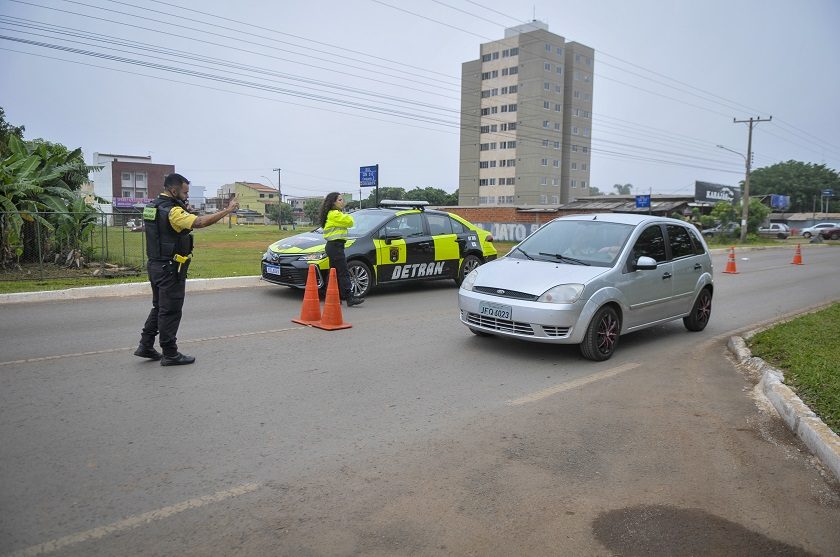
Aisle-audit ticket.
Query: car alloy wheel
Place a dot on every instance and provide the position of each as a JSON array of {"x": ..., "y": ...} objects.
[
  {"x": 360, "y": 278},
  {"x": 601, "y": 337}
]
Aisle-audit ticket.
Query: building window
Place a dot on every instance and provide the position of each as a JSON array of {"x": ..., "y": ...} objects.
[
  {"x": 556, "y": 163},
  {"x": 492, "y": 181},
  {"x": 483, "y": 164},
  {"x": 583, "y": 166},
  {"x": 555, "y": 181},
  {"x": 546, "y": 123},
  {"x": 583, "y": 183},
  {"x": 512, "y": 107},
  {"x": 586, "y": 149},
  {"x": 513, "y": 88},
  {"x": 492, "y": 164},
  {"x": 546, "y": 105},
  {"x": 126, "y": 176},
  {"x": 576, "y": 94},
  {"x": 482, "y": 182},
  {"x": 262, "y": 196},
  {"x": 485, "y": 58},
  {"x": 585, "y": 132},
  {"x": 574, "y": 183},
  {"x": 547, "y": 86},
  {"x": 547, "y": 47},
  {"x": 556, "y": 144},
  {"x": 559, "y": 69},
  {"x": 511, "y": 162},
  {"x": 545, "y": 142},
  {"x": 496, "y": 55},
  {"x": 514, "y": 51},
  {"x": 557, "y": 126},
  {"x": 575, "y": 131},
  {"x": 543, "y": 182},
  {"x": 558, "y": 107},
  {"x": 543, "y": 199},
  {"x": 555, "y": 199},
  {"x": 574, "y": 148},
  {"x": 578, "y": 58},
  {"x": 485, "y": 94},
  {"x": 547, "y": 66},
  {"x": 544, "y": 162},
  {"x": 578, "y": 75},
  {"x": 512, "y": 126},
  {"x": 559, "y": 51}
]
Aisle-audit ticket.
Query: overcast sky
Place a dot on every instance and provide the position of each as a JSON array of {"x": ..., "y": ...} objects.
[{"x": 319, "y": 88}]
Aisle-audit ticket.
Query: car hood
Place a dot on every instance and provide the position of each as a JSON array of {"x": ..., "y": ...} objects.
[
  {"x": 308, "y": 242},
  {"x": 533, "y": 277}
]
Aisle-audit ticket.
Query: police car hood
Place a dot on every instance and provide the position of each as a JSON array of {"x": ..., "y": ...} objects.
[
  {"x": 533, "y": 277},
  {"x": 299, "y": 243}
]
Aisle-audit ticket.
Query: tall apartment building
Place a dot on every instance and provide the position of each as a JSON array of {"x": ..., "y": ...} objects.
[{"x": 526, "y": 120}]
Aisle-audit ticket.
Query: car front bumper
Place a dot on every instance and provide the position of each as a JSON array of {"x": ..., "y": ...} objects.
[
  {"x": 531, "y": 321},
  {"x": 289, "y": 273}
]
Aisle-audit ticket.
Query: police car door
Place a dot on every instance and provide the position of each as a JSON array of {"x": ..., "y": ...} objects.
[
  {"x": 450, "y": 241},
  {"x": 404, "y": 251}
]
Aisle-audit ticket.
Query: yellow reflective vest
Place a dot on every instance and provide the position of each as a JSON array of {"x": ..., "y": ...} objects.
[{"x": 336, "y": 226}]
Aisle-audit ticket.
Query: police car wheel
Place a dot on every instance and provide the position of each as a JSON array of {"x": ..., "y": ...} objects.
[
  {"x": 469, "y": 263},
  {"x": 360, "y": 278}
]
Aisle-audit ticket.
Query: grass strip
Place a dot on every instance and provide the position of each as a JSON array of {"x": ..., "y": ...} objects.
[{"x": 807, "y": 350}]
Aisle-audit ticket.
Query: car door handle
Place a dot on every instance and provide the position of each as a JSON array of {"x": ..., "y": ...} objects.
[
  {"x": 698, "y": 267},
  {"x": 666, "y": 276}
]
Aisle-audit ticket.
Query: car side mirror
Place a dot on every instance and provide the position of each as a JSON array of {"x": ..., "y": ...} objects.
[{"x": 645, "y": 263}]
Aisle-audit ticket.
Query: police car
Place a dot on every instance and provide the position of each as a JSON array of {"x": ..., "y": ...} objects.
[{"x": 399, "y": 241}]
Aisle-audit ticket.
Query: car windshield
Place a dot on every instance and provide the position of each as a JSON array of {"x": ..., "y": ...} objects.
[{"x": 586, "y": 242}]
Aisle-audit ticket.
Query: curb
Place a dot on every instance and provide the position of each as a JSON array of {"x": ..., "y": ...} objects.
[
  {"x": 818, "y": 437},
  {"x": 127, "y": 289}
]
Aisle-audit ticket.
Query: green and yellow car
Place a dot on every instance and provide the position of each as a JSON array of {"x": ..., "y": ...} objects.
[{"x": 399, "y": 241}]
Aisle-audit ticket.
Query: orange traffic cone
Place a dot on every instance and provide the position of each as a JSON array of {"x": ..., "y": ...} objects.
[
  {"x": 797, "y": 256},
  {"x": 310, "y": 312},
  {"x": 331, "y": 320},
  {"x": 730, "y": 263}
]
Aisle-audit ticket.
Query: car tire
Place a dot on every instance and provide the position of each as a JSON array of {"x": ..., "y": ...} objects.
[
  {"x": 478, "y": 333},
  {"x": 701, "y": 311},
  {"x": 361, "y": 278},
  {"x": 806, "y": 235},
  {"x": 835, "y": 236},
  {"x": 781, "y": 236},
  {"x": 601, "y": 336},
  {"x": 469, "y": 263}
]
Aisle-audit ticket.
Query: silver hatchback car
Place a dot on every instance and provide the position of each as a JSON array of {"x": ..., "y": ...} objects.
[{"x": 586, "y": 279}]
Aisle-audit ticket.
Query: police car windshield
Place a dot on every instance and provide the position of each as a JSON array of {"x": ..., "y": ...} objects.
[{"x": 366, "y": 221}]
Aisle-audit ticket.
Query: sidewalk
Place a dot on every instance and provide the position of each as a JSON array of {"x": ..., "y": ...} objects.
[{"x": 128, "y": 289}]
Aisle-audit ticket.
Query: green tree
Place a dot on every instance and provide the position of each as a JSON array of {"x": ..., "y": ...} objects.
[
  {"x": 626, "y": 189},
  {"x": 385, "y": 193},
  {"x": 37, "y": 182},
  {"x": 6, "y": 131},
  {"x": 311, "y": 210},
  {"x": 595, "y": 191},
  {"x": 435, "y": 196},
  {"x": 802, "y": 181},
  {"x": 284, "y": 210}
]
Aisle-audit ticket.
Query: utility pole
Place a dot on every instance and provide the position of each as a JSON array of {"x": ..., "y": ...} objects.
[
  {"x": 280, "y": 203},
  {"x": 745, "y": 199}
]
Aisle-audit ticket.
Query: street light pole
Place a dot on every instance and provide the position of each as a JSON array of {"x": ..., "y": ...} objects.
[{"x": 280, "y": 195}]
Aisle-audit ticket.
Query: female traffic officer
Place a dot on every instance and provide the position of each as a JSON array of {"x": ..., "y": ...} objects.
[{"x": 335, "y": 224}]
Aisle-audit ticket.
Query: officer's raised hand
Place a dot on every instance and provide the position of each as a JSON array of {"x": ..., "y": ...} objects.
[{"x": 233, "y": 204}]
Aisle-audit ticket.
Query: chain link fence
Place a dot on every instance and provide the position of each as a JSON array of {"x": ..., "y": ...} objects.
[{"x": 73, "y": 245}]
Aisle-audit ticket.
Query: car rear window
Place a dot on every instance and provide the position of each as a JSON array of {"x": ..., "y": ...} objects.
[{"x": 680, "y": 241}]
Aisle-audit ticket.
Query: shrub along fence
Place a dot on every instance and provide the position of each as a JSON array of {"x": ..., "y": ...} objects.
[{"x": 67, "y": 245}]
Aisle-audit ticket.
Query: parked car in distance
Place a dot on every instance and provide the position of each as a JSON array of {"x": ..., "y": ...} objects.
[
  {"x": 830, "y": 233},
  {"x": 817, "y": 228},
  {"x": 728, "y": 229},
  {"x": 775, "y": 230},
  {"x": 588, "y": 279}
]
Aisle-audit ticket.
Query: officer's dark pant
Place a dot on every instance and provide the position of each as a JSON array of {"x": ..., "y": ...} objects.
[
  {"x": 335, "y": 251},
  {"x": 168, "y": 288}
]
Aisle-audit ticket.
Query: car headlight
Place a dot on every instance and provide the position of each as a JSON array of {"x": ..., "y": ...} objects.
[
  {"x": 317, "y": 256},
  {"x": 469, "y": 280},
  {"x": 562, "y": 294},
  {"x": 267, "y": 256}
]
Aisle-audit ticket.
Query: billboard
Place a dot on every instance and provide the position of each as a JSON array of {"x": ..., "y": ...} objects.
[{"x": 712, "y": 193}]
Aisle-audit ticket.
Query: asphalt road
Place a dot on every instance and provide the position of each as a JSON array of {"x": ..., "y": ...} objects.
[{"x": 404, "y": 435}]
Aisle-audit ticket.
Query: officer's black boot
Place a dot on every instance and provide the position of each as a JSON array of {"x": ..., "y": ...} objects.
[{"x": 177, "y": 360}]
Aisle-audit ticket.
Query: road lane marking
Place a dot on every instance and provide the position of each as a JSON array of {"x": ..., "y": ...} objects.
[
  {"x": 547, "y": 392},
  {"x": 133, "y": 521},
  {"x": 112, "y": 350}
]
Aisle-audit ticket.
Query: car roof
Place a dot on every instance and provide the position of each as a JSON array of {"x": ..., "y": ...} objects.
[{"x": 621, "y": 218}]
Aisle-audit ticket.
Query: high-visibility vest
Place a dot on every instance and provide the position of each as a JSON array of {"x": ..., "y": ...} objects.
[{"x": 337, "y": 224}]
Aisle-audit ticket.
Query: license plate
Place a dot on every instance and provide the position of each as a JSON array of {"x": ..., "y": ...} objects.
[
  {"x": 495, "y": 310},
  {"x": 272, "y": 269}
]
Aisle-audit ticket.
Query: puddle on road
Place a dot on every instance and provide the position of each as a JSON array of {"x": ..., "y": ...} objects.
[{"x": 662, "y": 530}]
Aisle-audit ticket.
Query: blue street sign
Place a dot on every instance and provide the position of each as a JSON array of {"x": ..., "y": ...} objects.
[
  {"x": 642, "y": 201},
  {"x": 369, "y": 176},
  {"x": 779, "y": 201},
  {"x": 828, "y": 193}
]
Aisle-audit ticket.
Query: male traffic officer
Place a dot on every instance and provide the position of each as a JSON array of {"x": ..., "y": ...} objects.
[{"x": 169, "y": 246}]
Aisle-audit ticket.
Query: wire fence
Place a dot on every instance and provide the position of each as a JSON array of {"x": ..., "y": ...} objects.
[{"x": 72, "y": 245}]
